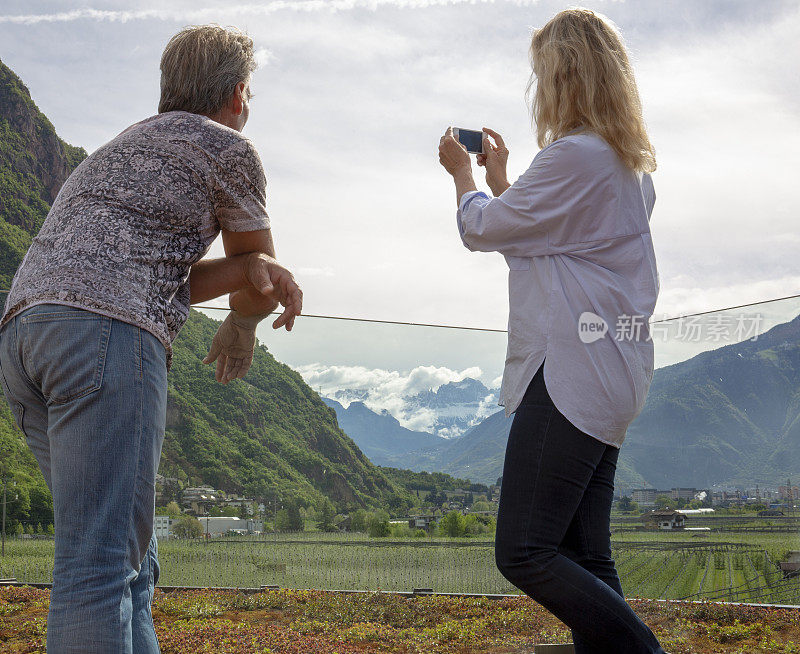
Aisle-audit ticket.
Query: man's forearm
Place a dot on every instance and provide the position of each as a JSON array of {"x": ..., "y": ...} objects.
[
  {"x": 210, "y": 278},
  {"x": 249, "y": 302}
]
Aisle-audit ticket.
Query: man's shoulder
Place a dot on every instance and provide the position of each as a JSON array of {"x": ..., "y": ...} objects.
[{"x": 195, "y": 129}]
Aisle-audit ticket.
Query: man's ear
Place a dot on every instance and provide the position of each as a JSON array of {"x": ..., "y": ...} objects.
[{"x": 238, "y": 98}]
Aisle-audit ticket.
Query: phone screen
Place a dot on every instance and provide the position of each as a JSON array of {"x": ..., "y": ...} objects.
[{"x": 471, "y": 139}]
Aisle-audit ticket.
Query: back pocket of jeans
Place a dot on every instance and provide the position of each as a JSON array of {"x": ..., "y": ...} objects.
[{"x": 65, "y": 352}]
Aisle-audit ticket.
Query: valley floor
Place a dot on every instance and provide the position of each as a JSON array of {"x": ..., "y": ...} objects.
[{"x": 310, "y": 621}]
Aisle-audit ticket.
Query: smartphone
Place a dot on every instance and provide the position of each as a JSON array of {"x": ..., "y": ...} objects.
[{"x": 471, "y": 139}]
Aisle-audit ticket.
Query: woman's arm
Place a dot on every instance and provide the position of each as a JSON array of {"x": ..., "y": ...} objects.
[
  {"x": 455, "y": 159},
  {"x": 540, "y": 208}
]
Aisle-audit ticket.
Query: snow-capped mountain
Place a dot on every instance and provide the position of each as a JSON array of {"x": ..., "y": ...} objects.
[
  {"x": 454, "y": 407},
  {"x": 447, "y": 412}
]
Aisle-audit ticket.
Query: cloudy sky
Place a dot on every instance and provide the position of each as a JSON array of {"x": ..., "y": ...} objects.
[{"x": 351, "y": 99}]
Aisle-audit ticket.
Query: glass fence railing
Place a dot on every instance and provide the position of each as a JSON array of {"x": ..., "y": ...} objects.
[{"x": 260, "y": 484}]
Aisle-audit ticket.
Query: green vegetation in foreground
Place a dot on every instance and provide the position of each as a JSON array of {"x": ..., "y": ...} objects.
[
  {"x": 669, "y": 567},
  {"x": 307, "y": 622}
]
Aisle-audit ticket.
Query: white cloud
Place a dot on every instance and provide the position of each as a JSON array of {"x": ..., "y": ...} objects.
[
  {"x": 385, "y": 390},
  {"x": 329, "y": 379},
  {"x": 199, "y": 14},
  {"x": 263, "y": 57}
]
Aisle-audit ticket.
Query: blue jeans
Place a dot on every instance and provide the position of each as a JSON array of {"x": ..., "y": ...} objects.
[
  {"x": 89, "y": 392},
  {"x": 553, "y": 538}
]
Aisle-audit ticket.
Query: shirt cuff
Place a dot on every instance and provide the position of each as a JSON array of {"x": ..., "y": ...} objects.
[
  {"x": 468, "y": 197},
  {"x": 463, "y": 205}
]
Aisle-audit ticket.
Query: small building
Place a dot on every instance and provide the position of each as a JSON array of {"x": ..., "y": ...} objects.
[
  {"x": 791, "y": 567},
  {"x": 162, "y": 527},
  {"x": 646, "y": 496},
  {"x": 218, "y": 525},
  {"x": 683, "y": 493},
  {"x": 698, "y": 532},
  {"x": 199, "y": 498},
  {"x": 425, "y": 522},
  {"x": 666, "y": 520},
  {"x": 241, "y": 503}
]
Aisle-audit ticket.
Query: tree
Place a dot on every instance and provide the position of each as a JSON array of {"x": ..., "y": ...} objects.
[
  {"x": 289, "y": 518},
  {"x": 172, "y": 510},
  {"x": 480, "y": 505},
  {"x": 378, "y": 524},
  {"x": 296, "y": 522},
  {"x": 452, "y": 524},
  {"x": 358, "y": 520},
  {"x": 436, "y": 498},
  {"x": 398, "y": 504},
  {"x": 663, "y": 502},
  {"x": 472, "y": 526},
  {"x": 187, "y": 526},
  {"x": 627, "y": 505},
  {"x": 326, "y": 515}
]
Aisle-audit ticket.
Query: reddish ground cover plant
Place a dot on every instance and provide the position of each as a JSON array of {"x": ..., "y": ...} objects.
[{"x": 310, "y": 622}]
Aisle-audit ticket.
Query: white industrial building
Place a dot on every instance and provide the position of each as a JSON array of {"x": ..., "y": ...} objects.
[
  {"x": 162, "y": 526},
  {"x": 217, "y": 525}
]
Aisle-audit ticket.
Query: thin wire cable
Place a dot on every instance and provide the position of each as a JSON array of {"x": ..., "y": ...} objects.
[
  {"x": 489, "y": 329},
  {"x": 505, "y": 331}
]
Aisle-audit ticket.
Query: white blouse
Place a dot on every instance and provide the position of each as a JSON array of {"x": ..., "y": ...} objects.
[{"x": 574, "y": 230}]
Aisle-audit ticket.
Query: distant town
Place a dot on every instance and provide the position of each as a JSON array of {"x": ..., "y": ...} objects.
[
  {"x": 213, "y": 513},
  {"x": 203, "y": 511}
]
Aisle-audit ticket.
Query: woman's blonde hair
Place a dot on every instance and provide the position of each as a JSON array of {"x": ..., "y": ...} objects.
[
  {"x": 201, "y": 66},
  {"x": 582, "y": 78}
]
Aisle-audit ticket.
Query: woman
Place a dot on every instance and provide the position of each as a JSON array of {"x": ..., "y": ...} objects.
[
  {"x": 574, "y": 230},
  {"x": 105, "y": 287}
]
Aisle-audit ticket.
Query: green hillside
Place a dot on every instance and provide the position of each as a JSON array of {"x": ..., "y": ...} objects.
[
  {"x": 731, "y": 415},
  {"x": 34, "y": 162},
  {"x": 269, "y": 432}
]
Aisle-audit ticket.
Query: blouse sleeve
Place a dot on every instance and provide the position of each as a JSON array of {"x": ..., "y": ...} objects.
[
  {"x": 519, "y": 222},
  {"x": 239, "y": 191}
]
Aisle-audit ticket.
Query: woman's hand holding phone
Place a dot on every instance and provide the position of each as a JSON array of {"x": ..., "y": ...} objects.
[
  {"x": 452, "y": 155},
  {"x": 495, "y": 160}
]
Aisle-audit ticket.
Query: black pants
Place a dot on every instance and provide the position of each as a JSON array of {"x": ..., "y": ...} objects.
[{"x": 553, "y": 537}]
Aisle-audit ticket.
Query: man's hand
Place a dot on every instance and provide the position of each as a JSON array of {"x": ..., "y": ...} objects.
[
  {"x": 274, "y": 285},
  {"x": 495, "y": 158},
  {"x": 233, "y": 345},
  {"x": 268, "y": 284}
]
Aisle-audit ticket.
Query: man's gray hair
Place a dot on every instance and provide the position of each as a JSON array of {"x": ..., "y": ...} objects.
[{"x": 201, "y": 66}]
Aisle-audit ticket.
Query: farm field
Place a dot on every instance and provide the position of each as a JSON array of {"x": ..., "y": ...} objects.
[
  {"x": 304, "y": 622},
  {"x": 724, "y": 567}
]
